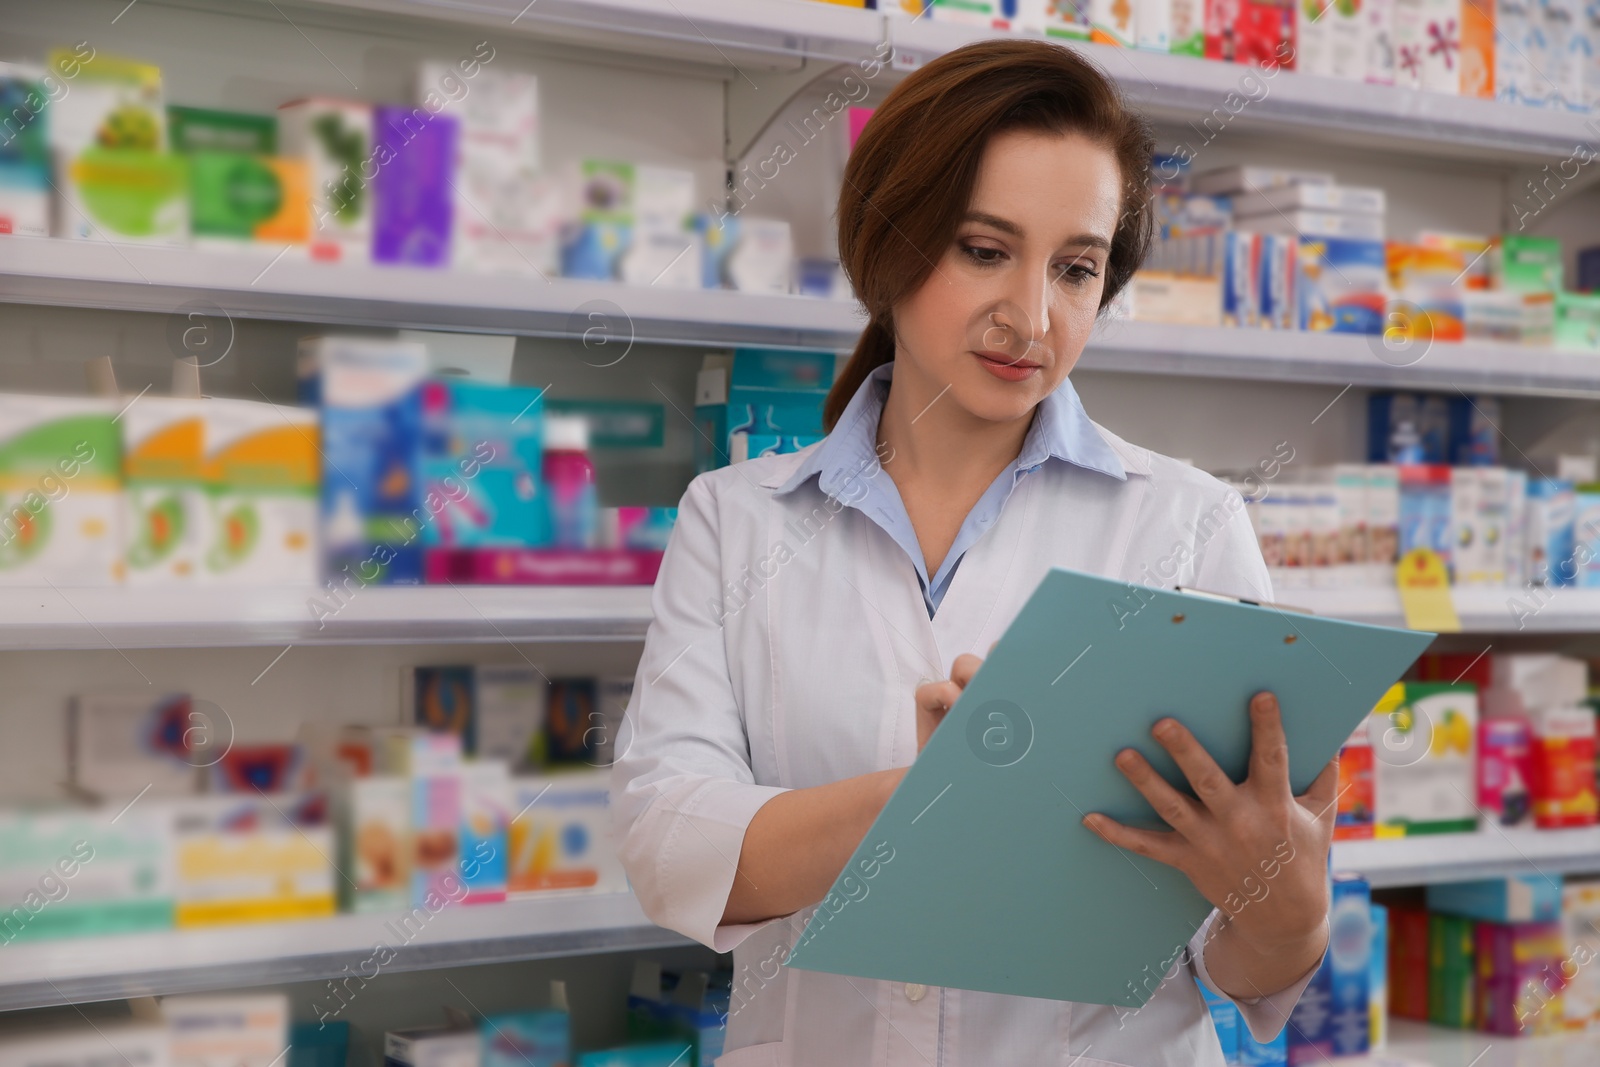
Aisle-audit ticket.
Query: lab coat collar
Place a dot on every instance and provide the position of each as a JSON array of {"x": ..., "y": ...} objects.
[{"x": 1062, "y": 430}]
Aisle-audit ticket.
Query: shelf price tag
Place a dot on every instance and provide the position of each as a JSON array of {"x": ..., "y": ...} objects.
[{"x": 1424, "y": 586}]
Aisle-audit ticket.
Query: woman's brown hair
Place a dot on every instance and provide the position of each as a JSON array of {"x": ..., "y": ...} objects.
[{"x": 909, "y": 179}]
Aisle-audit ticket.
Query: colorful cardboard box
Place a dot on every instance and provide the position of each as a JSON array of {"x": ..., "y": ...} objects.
[
  {"x": 60, "y": 491},
  {"x": 1424, "y": 739},
  {"x": 262, "y": 472}
]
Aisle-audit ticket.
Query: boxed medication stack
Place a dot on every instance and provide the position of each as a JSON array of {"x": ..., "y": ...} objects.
[
  {"x": 60, "y": 491},
  {"x": 121, "y": 743},
  {"x": 84, "y": 1041},
  {"x": 413, "y": 198},
  {"x": 165, "y": 517},
  {"x": 529, "y": 1038},
  {"x": 262, "y": 474},
  {"x": 1333, "y": 1015},
  {"x": 248, "y": 858},
  {"x": 1424, "y": 741},
  {"x": 666, "y": 250},
  {"x": 432, "y": 764},
  {"x": 373, "y": 514},
  {"x": 1309, "y": 210},
  {"x": 66, "y": 873},
  {"x": 507, "y": 213},
  {"x": 227, "y": 1031},
  {"x": 374, "y": 817},
  {"x": 1580, "y": 916},
  {"x": 109, "y": 139},
  {"x": 768, "y": 402},
  {"x": 560, "y": 837},
  {"x": 25, "y": 155},
  {"x": 240, "y": 190},
  {"x": 1331, "y": 39},
  {"x": 481, "y": 459},
  {"x": 333, "y": 140}
]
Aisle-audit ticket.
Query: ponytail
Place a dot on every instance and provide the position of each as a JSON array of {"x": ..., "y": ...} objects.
[{"x": 874, "y": 348}]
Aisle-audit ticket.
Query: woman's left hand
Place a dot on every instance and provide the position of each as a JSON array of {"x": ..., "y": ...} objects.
[{"x": 1254, "y": 849}]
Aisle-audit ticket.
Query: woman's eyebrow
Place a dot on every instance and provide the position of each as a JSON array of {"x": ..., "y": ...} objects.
[{"x": 1089, "y": 240}]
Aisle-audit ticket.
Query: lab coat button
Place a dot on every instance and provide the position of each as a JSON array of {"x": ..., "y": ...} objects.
[{"x": 915, "y": 991}]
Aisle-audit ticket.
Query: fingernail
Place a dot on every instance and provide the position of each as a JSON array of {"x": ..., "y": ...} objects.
[
  {"x": 1092, "y": 823},
  {"x": 1164, "y": 728},
  {"x": 1125, "y": 757},
  {"x": 1265, "y": 701}
]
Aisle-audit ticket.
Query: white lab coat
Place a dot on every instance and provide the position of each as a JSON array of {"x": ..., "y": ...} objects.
[{"x": 789, "y": 635}]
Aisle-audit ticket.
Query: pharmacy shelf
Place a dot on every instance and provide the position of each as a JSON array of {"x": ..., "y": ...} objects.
[
  {"x": 1491, "y": 852},
  {"x": 52, "y": 973},
  {"x": 1488, "y": 610},
  {"x": 742, "y": 36},
  {"x": 214, "y": 617},
  {"x": 1224, "y": 96},
  {"x": 751, "y": 34},
  {"x": 1338, "y": 359},
  {"x": 604, "y": 319},
  {"x": 1414, "y": 1043}
]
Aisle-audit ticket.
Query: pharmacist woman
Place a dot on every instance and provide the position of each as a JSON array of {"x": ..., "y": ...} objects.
[{"x": 817, "y": 612}]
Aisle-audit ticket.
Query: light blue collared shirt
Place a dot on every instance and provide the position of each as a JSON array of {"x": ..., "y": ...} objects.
[{"x": 1061, "y": 430}]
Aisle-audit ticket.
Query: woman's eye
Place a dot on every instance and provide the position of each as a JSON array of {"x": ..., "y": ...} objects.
[
  {"x": 1077, "y": 272},
  {"x": 981, "y": 255}
]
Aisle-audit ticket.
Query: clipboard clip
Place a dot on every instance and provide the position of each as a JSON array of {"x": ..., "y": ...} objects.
[{"x": 1191, "y": 591}]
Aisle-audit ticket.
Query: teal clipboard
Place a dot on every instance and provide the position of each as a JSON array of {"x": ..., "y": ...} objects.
[{"x": 978, "y": 873}]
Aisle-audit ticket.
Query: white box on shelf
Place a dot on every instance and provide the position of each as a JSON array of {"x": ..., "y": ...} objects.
[
  {"x": 1377, "y": 40},
  {"x": 1352, "y": 199},
  {"x": 334, "y": 139},
  {"x": 561, "y": 837},
  {"x": 227, "y": 1031}
]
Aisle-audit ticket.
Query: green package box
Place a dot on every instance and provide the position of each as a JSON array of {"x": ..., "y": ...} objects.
[
  {"x": 84, "y": 874},
  {"x": 200, "y": 129},
  {"x": 60, "y": 491},
  {"x": 1525, "y": 264},
  {"x": 1451, "y": 975},
  {"x": 1578, "y": 321}
]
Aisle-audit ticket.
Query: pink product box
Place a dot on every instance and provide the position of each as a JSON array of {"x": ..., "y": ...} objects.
[{"x": 542, "y": 566}]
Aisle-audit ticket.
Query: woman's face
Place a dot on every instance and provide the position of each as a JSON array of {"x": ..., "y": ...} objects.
[{"x": 1009, "y": 306}]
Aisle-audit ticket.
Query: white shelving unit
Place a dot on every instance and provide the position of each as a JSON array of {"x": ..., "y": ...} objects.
[
  {"x": 1491, "y": 852},
  {"x": 65, "y": 618},
  {"x": 53, "y": 973},
  {"x": 1438, "y": 1046},
  {"x": 1487, "y": 610},
  {"x": 167, "y": 280}
]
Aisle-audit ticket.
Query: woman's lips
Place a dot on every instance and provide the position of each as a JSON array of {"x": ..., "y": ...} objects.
[{"x": 1005, "y": 367}]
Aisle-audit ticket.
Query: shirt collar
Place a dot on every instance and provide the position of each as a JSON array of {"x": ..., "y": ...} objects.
[{"x": 1061, "y": 430}]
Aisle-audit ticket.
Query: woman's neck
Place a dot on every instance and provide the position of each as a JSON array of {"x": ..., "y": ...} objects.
[{"x": 925, "y": 436}]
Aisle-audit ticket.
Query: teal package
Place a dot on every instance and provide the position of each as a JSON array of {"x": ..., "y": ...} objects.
[
  {"x": 801, "y": 369},
  {"x": 656, "y": 1054},
  {"x": 483, "y": 446},
  {"x": 527, "y": 1039}
]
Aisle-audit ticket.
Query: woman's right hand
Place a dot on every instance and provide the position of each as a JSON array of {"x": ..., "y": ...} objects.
[{"x": 935, "y": 699}]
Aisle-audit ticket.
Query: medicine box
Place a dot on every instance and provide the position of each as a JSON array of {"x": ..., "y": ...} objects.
[
  {"x": 511, "y": 704},
  {"x": 375, "y": 842},
  {"x": 70, "y": 1042},
  {"x": 240, "y": 859},
  {"x": 262, "y": 472},
  {"x": 413, "y": 199},
  {"x": 1224, "y": 1020},
  {"x": 1550, "y": 514},
  {"x": 1525, "y": 264},
  {"x": 25, "y": 156},
  {"x": 1452, "y": 971},
  {"x": 1424, "y": 741},
  {"x": 1519, "y": 898},
  {"x": 60, "y": 491},
  {"x": 1505, "y": 770},
  {"x": 485, "y": 818},
  {"x": 333, "y": 139},
  {"x": 236, "y": 197},
  {"x": 481, "y": 465},
  {"x": 165, "y": 516},
  {"x": 121, "y": 742},
  {"x": 1580, "y": 915},
  {"x": 527, "y": 1039},
  {"x": 84, "y": 874},
  {"x": 432, "y": 1047},
  {"x": 199, "y": 129},
  {"x": 1564, "y": 768},
  {"x": 227, "y": 1031},
  {"x": 560, "y": 835},
  {"x": 1519, "y": 977},
  {"x": 1341, "y": 285},
  {"x": 373, "y": 513}
]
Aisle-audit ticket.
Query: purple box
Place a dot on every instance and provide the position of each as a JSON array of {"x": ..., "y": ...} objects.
[{"x": 414, "y": 154}]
